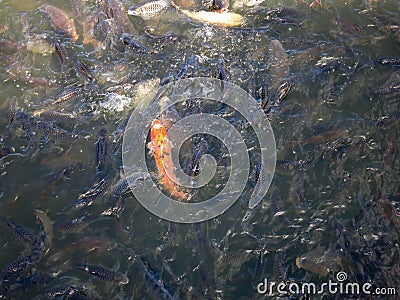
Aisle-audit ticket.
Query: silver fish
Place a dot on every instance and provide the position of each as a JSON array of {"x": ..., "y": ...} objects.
[{"x": 148, "y": 9}]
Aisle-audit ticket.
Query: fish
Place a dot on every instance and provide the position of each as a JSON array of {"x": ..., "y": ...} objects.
[
  {"x": 60, "y": 20},
  {"x": 89, "y": 244},
  {"x": 88, "y": 29},
  {"x": 101, "y": 150},
  {"x": 25, "y": 235},
  {"x": 102, "y": 273},
  {"x": 11, "y": 111},
  {"x": 387, "y": 90},
  {"x": 219, "y": 5},
  {"x": 280, "y": 268},
  {"x": 149, "y": 9},
  {"x": 18, "y": 72},
  {"x": 389, "y": 120},
  {"x": 278, "y": 64},
  {"x": 83, "y": 69},
  {"x": 284, "y": 15},
  {"x": 69, "y": 291},
  {"x": 224, "y": 257},
  {"x": 61, "y": 53},
  {"x": 51, "y": 131},
  {"x": 123, "y": 186},
  {"x": 65, "y": 96},
  {"x": 320, "y": 261},
  {"x": 23, "y": 284},
  {"x": 19, "y": 265},
  {"x": 47, "y": 232},
  {"x": 161, "y": 149},
  {"x": 98, "y": 190},
  {"x": 117, "y": 12},
  {"x": 132, "y": 43},
  {"x": 60, "y": 116},
  {"x": 155, "y": 282},
  {"x": 224, "y": 19},
  {"x": 169, "y": 115},
  {"x": 193, "y": 169},
  {"x": 259, "y": 267},
  {"x": 389, "y": 61}
]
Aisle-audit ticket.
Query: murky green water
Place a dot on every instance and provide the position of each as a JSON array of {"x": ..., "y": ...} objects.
[{"x": 338, "y": 210}]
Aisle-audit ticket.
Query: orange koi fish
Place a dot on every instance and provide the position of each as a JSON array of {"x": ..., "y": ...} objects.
[{"x": 162, "y": 154}]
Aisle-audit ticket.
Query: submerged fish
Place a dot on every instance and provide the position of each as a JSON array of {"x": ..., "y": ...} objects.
[
  {"x": 102, "y": 273},
  {"x": 47, "y": 232},
  {"x": 278, "y": 63},
  {"x": 94, "y": 193},
  {"x": 390, "y": 61},
  {"x": 24, "y": 234},
  {"x": 19, "y": 265},
  {"x": 83, "y": 69},
  {"x": 101, "y": 150},
  {"x": 162, "y": 153},
  {"x": 193, "y": 169},
  {"x": 88, "y": 244},
  {"x": 319, "y": 261},
  {"x": 60, "y": 20},
  {"x": 155, "y": 282},
  {"x": 224, "y": 19}
]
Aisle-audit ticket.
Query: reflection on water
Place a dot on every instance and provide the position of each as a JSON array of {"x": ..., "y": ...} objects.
[{"x": 328, "y": 80}]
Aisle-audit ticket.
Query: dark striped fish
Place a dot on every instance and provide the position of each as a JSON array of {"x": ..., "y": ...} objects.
[
  {"x": 65, "y": 96},
  {"x": 390, "y": 61},
  {"x": 76, "y": 225},
  {"x": 388, "y": 90},
  {"x": 11, "y": 111},
  {"x": 68, "y": 291},
  {"x": 98, "y": 190},
  {"x": 259, "y": 267},
  {"x": 123, "y": 186},
  {"x": 23, "y": 284},
  {"x": 83, "y": 69},
  {"x": 24, "y": 234},
  {"x": 149, "y": 9},
  {"x": 389, "y": 120},
  {"x": 51, "y": 131},
  {"x": 62, "y": 54},
  {"x": 19, "y": 265},
  {"x": 135, "y": 45},
  {"x": 225, "y": 257},
  {"x": 101, "y": 150},
  {"x": 283, "y": 91},
  {"x": 59, "y": 116},
  {"x": 102, "y": 273},
  {"x": 280, "y": 268},
  {"x": 193, "y": 169},
  {"x": 155, "y": 282}
]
